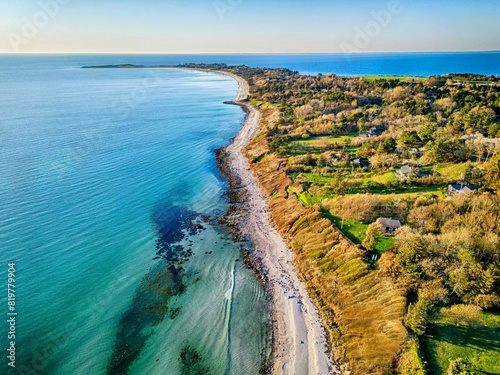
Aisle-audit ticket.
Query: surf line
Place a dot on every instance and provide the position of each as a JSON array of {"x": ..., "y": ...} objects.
[{"x": 228, "y": 313}]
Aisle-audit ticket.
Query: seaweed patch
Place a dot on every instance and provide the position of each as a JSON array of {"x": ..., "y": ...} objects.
[{"x": 166, "y": 280}]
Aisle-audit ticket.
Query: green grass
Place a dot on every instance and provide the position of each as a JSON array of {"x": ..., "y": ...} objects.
[
  {"x": 318, "y": 178},
  {"x": 305, "y": 198},
  {"x": 351, "y": 151},
  {"x": 384, "y": 178},
  {"x": 459, "y": 334},
  {"x": 384, "y": 190},
  {"x": 355, "y": 231},
  {"x": 390, "y": 78},
  {"x": 452, "y": 172},
  {"x": 303, "y": 146},
  {"x": 261, "y": 105},
  {"x": 363, "y": 180},
  {"x": 312, "y": 142},
  {"x": 296, "y": 152}
]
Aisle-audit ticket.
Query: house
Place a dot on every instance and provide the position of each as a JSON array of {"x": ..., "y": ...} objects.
[
  {"x": 462, "y": 188},
  {"x": 361, "y": 163},
  {"x": 389, "y": 226},
  {"x": 376, "y": 131},
  {"x": 406, "y": 170}
]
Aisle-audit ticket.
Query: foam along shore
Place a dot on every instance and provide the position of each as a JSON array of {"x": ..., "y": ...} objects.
[{"x": 300, "y": 344}]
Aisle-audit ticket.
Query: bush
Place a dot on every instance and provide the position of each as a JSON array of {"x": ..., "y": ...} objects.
[
  {"x": 417, "y": 317},
  {"x": 459, "y": 367}
]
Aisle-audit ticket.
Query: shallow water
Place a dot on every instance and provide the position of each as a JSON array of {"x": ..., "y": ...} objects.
[{"x": 103, "y": 180}]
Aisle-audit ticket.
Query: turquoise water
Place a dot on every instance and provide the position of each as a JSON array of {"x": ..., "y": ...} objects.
[
  {"x": 105, "y": 180},
  {"x": 102, "y": 174}
]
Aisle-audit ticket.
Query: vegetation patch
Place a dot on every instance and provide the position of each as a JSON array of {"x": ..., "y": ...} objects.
[
  {"x": 465, "y": 332},
  {"x": 422, "y": 152},
  {"x": 356, "y": 232}
]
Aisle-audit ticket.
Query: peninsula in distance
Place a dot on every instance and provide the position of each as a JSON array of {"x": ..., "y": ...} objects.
[{"x": 316, "y": 194}]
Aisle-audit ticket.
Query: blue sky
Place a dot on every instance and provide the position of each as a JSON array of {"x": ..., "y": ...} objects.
[{"x": 248, "y": 26}]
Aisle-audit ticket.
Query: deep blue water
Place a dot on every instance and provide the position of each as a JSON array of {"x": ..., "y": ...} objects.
[{"x": 412, "y": 64}]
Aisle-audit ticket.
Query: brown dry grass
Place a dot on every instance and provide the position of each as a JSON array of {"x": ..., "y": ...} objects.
[{"x": 361, "y": 308}]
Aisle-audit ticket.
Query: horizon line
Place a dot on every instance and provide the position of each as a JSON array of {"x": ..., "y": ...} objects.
[{"x": 240, "y": 53}]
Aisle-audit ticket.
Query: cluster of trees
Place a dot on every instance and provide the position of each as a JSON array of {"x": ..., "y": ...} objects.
[
  {"x": 449, "y": 250},
  {"x": 425, "y": 119},
  {"x": 450, "y": 104},
  {"x": 449, "y": 253}
]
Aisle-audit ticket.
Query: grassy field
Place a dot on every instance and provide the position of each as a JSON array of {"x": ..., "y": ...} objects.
[
  {"x": 261, "y": 105},
  {"x": 391, "y": 78},
  {"x": 363, "y": 185},
  {"x": 384, "y": 190},
  {"x": 452, "y": 172},
  {"x": 318, "y": 141},
  {"x": 355, "y": 231},
  {"x": 464, "y": 332},
  {"x": 384, "y": 178}
]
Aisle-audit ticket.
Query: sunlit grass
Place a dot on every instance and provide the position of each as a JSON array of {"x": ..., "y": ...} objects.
[
  {"x": 356, "y": 232},
  {"x": 467, "y": 333}
]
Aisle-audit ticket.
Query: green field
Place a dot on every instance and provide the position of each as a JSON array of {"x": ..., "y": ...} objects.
[
  {"x": 355, "y": 231},
  {"x": 467, "y": 333},
  {"x": 378, "y": 184},
  {"x": 391, "y": 78},
  {"x": 315, "y": 141},
  {"x": 452, "y": 172},
  {"x": 261, "y": 105},
  {"x": 384, "y": 178}
]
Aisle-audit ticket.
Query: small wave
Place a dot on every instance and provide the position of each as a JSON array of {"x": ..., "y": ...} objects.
[{"x": 228, "y": 313}]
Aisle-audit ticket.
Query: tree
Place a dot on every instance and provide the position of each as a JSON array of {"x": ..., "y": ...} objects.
[
  {"x": 361, "y": 125},
  {"x": 372, "y": 232},
  {"x": 468, "y": 173},
  {"x": 366, "y": 150},
  {"x": 447, "y": 150},
  {"x": 383, "y": 160},
  {"x": 428, "y": 131},
  {"x": 417, "y": 317},
  {"x": 387, "y": 146},
  {"x": 492, "y": 172},
  {"x": 410, "y": 139},
  {"x": 280, "y": 145},
  {"x": 412, "y": 248}
]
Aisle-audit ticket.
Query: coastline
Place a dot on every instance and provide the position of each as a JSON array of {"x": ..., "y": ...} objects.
[{"x": 300, "y": 345}]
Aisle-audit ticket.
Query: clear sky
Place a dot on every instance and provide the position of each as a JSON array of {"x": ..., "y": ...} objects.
[{"x": 248, "y": 26}]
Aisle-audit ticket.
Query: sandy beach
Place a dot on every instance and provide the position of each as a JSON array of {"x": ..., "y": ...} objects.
[{"x": 299, "y": 337}]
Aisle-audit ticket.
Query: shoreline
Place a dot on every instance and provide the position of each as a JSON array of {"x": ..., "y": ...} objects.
[
  {"x": 299, "y": 338},
  {"x": 300, "y": 344}
]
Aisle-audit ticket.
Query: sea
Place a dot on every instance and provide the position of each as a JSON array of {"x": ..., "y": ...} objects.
[{"x": 109, "y": 199}]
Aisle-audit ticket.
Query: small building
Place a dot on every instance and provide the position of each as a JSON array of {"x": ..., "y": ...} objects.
[
  {"x": 389, "y": 226},
  {"x": 375, "y": 131},
  {"x": 406, "y": 170},
  {"x": 462, "y": 188},
  {"x": 361, "y": 163}
]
